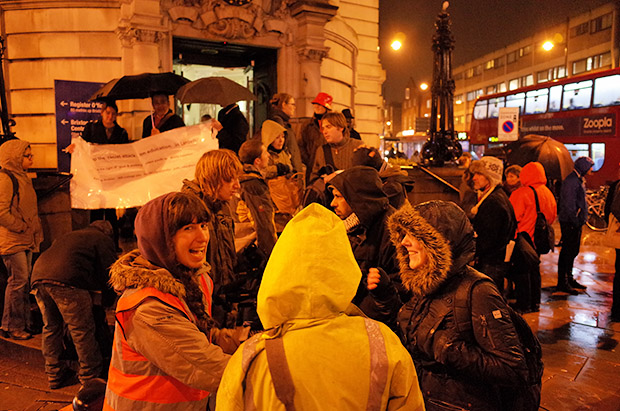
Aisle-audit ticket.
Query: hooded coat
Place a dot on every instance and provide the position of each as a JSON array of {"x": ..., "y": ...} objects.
[
  {"x": 573, "y": 208},
  {"x": 337, "y": 358},
  {"x": 161, "y": 360},
  {"x": 370, "y": 240},
  {"x": 20, "y": 227},
  {"x": 523, "y": 201},
  {"x": 454, "y": 372},
  {"x": 290, "y": 143}
]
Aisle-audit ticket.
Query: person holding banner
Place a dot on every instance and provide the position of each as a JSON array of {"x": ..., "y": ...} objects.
[
  {"x": 216, "y": 183},
  {"x": 162, "y": 119}
]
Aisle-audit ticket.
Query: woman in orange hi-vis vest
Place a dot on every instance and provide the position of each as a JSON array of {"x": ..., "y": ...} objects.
[{"x": 163, "y": 358}]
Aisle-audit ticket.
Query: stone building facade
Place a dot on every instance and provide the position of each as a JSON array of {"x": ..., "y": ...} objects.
[{"x": 300, "y": 47}]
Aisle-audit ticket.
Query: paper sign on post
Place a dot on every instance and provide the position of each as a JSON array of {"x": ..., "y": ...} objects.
[{"x": 508, "y": 124}]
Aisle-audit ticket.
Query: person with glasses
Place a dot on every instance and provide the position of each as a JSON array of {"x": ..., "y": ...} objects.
[{"x": 20, "y": 235}]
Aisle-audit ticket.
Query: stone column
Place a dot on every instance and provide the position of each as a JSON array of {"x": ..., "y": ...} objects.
[{"x": 310, "y": 46}]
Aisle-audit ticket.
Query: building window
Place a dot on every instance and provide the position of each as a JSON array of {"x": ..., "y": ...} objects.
[
  {"x": 458, "y": 98},
  {"x": 511, "y": 57},
  {"x": 524, "y": 51},
  {"x": 579, "y": 29},
  {"x": 600, "y": 23},
  {"x": 469, "y": 73},
  {"x": 592, "y": 63},
  {"x": 491, "y": 89},
  {"x": 498, "y": 62},
  {"x": 527, "y": 80},
  {"x": 489, "y": 64},
  {"x": 513, "y": 84},
  {"x": 407, "y": 93},
  {"x": 543, "y": 76},
  {"x": 478, "y": 70},
  {"x": 501, "y": 87}
]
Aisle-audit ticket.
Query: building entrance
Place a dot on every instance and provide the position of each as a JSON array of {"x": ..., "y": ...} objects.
[{"x": 252, "y": 67}]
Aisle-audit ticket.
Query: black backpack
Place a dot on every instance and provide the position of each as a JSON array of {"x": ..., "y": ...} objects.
[
  {"x": 525, "y": 397},
  {"x": 544, "y": 235},
  {"x": 15, "y": 185}
]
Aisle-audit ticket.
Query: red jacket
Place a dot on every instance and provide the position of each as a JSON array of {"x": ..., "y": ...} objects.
[{"x": 522, "y": 199}]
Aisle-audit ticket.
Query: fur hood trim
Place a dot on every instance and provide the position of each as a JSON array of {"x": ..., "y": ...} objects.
[
  {"x": 134, "y": 271},
  {"x": 428, "y": 278}
]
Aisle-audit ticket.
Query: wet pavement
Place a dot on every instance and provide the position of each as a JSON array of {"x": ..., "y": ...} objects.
[{"x": 580, "y": 344}]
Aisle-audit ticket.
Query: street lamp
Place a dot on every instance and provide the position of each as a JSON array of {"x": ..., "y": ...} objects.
[
  {"x": 423, "y": 86},
  {"x": 396, "y": 45},
  {"x": 547, "y": 45}
]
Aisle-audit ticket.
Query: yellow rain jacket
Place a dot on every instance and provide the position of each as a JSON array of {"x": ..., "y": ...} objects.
[{"x": 323, "y": 352}]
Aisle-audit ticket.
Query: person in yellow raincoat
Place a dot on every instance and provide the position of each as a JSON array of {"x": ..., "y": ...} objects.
[{"x": 319, "y": 351}]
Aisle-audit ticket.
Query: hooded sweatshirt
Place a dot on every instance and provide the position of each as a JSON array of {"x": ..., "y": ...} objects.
[
  {"x": 20, "y": 227},
  {"x": 304, "y": 302},
  {"x": 454, "y": 373},
  {"x": 523, "y": 201}
]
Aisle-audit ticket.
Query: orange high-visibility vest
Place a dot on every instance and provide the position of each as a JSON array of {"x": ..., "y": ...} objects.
[{"x": 133, "y": 381}]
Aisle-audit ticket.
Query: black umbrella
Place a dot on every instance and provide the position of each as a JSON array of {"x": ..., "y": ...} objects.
[
  {"x": 552, "y": 154},
  {"x": 140, "y": 86}
]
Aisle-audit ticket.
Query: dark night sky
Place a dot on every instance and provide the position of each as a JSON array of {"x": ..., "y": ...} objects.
[{"x": 478, "y": 26}]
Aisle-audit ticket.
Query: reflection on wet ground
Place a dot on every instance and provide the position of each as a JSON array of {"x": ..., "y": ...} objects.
[{"x": 580, "y": 344}]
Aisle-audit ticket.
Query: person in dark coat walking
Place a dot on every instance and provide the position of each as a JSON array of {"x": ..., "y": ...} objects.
[
  {"x": 493, "y": 219},
  {"x": 364, "y": 208},
  {"x": 235, "y": 127},
  {"x": 69, "y": 279},
  {"x": 572, "y": 214},
  {"x": 162, "y": 119},
  {"x": 311, "y": 136},
  {"x": 282, "y": 110},
  {"x": 461, "y": 371}
]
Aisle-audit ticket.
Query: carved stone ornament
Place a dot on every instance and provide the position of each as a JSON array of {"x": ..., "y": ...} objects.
[
  {"x": 129, "y": 35},
  {"x": 313, "y": 54}
]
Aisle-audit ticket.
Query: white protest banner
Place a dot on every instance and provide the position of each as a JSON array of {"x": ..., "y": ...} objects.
[{"x": 129, "y": 175}]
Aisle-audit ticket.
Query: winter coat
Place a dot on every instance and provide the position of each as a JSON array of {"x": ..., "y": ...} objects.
[
  {"x": 290, "y": 144},
  {"x": 95, "y": 132},
  {"x": 612, "y": 202},
  {"x": 235, "y": 128},
  {"x": 337, "y": 358},
  {"x": 310, "y": 140},
  {"x": 171, "y": 123},
  {"x": 161, "y": 360},
  {"x": 524, "y": 203},
  {"x": 495, "y": 226},
  {"x": 79, "y": 259},
  {"x": 454, "y": 372},
  {"x": 278, "y": 157},
  {"x": 342, "y": 154},
  {"x": 370, "y": 240},
  {"x": 255, "y": 194},
  {"x": 20, "y": 227},
  {"x": 221, "y": 253},
  {"x": 573, "y": 208}
]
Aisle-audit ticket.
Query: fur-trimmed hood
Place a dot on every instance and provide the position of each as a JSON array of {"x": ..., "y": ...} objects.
[
  {"x": 132, "y": 270},
  {"x": 444, "y": 232}
]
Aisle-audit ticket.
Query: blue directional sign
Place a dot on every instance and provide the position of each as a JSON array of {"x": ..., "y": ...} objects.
[
  {"x": 508, "y": 126},
  {"x": 73, "y": 111}
]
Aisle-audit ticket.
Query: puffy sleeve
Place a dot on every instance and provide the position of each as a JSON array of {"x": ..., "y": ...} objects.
[{"x": 174, "y": 344}]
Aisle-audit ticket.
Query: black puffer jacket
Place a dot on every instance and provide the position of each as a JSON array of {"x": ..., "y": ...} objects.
[
  {"x": 370, "y": 240},
  {"x": 455, "y": 372}
]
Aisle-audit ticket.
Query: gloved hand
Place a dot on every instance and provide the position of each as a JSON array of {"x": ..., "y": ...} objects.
[
  {"x": 378, "y": 282},
  {"x": 283, "y": 169}
]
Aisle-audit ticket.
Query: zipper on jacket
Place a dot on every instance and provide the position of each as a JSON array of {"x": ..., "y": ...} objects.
[{"x": 485, "y": 329}]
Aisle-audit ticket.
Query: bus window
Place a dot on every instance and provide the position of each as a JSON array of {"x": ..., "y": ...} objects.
[
  {"x": 480, "y": 110},
  {"x": 578, "y": 150},
  {"x": 607, "y": 91},
  {"x": 494, "y": 106},
  {"x": 577, "y": 95},
  {"x": 555, "y": 97},
  {"x": 536, "y": 101},
  {"x": 516, "y": 100},
  {"x": 598, "y": 155}
]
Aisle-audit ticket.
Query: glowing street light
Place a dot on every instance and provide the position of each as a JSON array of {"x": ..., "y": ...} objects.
[
  {"x": 423, "y": 86},
  {"x": 396, "y": 45},
  {"x": 547, "y": 45}
]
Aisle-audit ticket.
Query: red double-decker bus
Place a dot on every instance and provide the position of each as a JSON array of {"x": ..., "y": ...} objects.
[{"x": 581, "y": 111}]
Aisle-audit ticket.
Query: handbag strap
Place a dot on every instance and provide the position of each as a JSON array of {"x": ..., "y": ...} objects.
[{"x": 536, "y": 198}]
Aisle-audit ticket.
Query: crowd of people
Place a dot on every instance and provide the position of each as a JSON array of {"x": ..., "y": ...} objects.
[{"x": 399, "y": 306}]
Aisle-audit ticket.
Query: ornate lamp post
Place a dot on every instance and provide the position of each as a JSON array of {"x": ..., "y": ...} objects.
[{"x": 442, "y": 144}]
